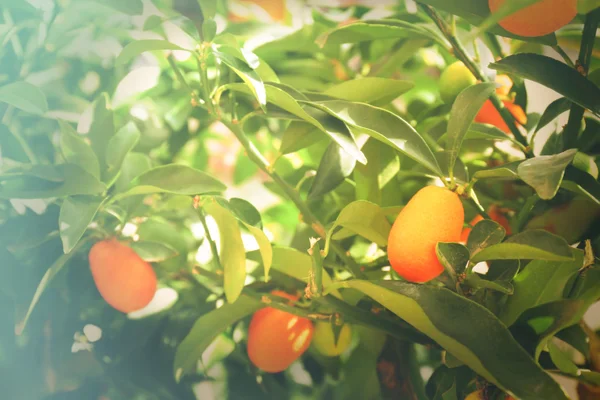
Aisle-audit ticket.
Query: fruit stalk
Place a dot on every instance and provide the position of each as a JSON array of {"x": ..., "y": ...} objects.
[
  {"x": 462, "y": 55},
  {"x": 571, "y": 132}
]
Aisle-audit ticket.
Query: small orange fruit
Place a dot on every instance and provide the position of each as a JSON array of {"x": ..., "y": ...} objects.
[
  {"x": 489, "y": 115},
  {"x": 538, "y": 19},
  {"x": 434, "y": 214},
  {"x": 275, "y": 8},
  {"x": 124, "y": 280},
  {"x": 276, "y": 338}
]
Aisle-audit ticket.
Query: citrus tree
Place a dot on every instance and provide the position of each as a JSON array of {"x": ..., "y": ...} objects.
[{"x": 301, "y": 199}]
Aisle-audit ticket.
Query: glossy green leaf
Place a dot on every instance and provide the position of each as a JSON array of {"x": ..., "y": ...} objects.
[
  {"x": 484, "y": 234},
  {"x": 102, "y": 128},
  {"x": 134, "y": 49},
  {"x": 363, "y": 218},
  {"x": 370, "y": 90},
  {"x": 586, "y": 6},
  {"x": 453, "y": 256},
  {"x": 580, "y": 182},
  {"x": 503, "y": 172},
  {"x": 335, "y": 166},
  {"x": 208, "y": 7},
  {"x": 464, "y": 109},
  {"x": 264, "y": 246},
  {"x": 118, "y": 147},
  {"x": 133, "y": 166},
  {"x": 545, "y": 173},
  {"x": 562, "y": 360},
  {"x": 487, "y": 347},
  {"x": 245, "y": 211},
  {"x": 206, "y": 329},
  {"x": 298, "y": 136},
  {"x": 76, "y": 213},
  {"x": 24, "y": 96},
  {"x": 247, "y": 74},
  {"x": 174, "y": 178},
  {"x": 74, "y": 181},
  {"x": 219, "y": 349},
  {"x": 382, "y": 167},
  {"x": 75, "y": 150},
  {"x": 363, "y": 31},
  {"x": 475, "y": 281},
  {"x": 553, "y": 110},
  {"x": 232, "y": 254},
  {"x": 554, "y": 75},
  {"x": 385, "y": 127},
  {"x": 540, "y": 282},
  {"x": 535, "y": 244},
  {"x": 153, "y": 251}
]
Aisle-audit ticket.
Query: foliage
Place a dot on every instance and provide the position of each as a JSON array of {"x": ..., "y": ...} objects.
[{"x": 220, "y": 140}]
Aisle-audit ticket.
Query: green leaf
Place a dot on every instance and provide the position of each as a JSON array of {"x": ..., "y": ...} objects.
[
  {"x": 131, "y": 7},
  {"x": 76, "y": 151},
  {"x": 586, "y": 6},
  {"x": 484, "y": 234},
  {"x": 298, "y": 136},
  {"x": 264, "y": 246},
  {"x": 118, "y": 147},
  {"x": 486, "y": 347},
  {"x": 74, "y": 181},
  {"x": 554, "y": 75},
  {"x": 247, "y": 74},
  {"x": 562, "y": 360},
  {"x": 209, "y": 9},
  {"x": 553, "y": 110},
  {"x": 335, "y": 166},
  {"x": 539, "y": 283},
  {"x": 545, "y": 173},
  {"x": 217, "y": 351},
  {"x": 535, "y": 244},
  {"x": 245, "y": 211},
  {"x": 581, "y": 182},
  {"x": 362, "y": 218},
  {"x": 476, "y": 282},
  {"x": 232, "y": 254},
  {"x": 464, "y": 109},
  {"x": 341, "y": 134},
  {"x": 133, "y": 166},
  {"x": 370, "y": 90},
  {"x": 176, "y": 179},
  {"x": 102, "y": 128},
  {"x": 375, "y": 30},
  {"x": 507, "y": 171},
  {"x": 385, "y": 127},
  {"x": 24, "y": 96},
  {"x": 134, "y": 49},
  {"x": 49, "y": 275},
  {"x": 453, "y": 256},
  {"x": 153, "y": 251},
  {"x": 206, "y": 329},
  {"x": 76, "y": 213}
]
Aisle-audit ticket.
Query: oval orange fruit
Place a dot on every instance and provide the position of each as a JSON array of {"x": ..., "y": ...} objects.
[
  {"x": 277, "y": 338},
  {"x": 124, "y": 280},
  {"x": 434, "y": 214},
  {"x": 538, "y": 19}
]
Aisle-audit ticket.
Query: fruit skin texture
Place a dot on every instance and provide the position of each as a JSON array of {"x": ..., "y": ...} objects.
[
  {"x": 276, "y": 338},
  {"x": 454, "y": 80},
  {"x": 433, "y": 215},
  {"x": 323, "y": 339},
  {"x": 124, "y": 280},
  {"x": 538, "y": 19},
  {"x": 495, "y": 214}
]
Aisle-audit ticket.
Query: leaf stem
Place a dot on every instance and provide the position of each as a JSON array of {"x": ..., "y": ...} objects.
[
  {"x": 571, "y": 132},
  {"x": 461, "y": 54},
  {"x": 211, "y": 242}
]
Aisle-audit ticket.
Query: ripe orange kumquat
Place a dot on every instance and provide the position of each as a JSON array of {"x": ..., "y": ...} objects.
[
  {"x": 539, "y": 19},
  {"x": 434, "y": 214}
]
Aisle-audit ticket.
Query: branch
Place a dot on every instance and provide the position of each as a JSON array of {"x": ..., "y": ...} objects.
[{"x": 461, "y": 54}]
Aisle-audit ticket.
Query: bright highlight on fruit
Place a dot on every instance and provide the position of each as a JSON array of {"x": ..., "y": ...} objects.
[
  {"x": 433, "y": 215},
  {"x": 539, "y": 19},
  {"x": 324, "y": 340},
  {"x": 124, "y": 280},
  {"x": 454, "y": 80},
  {"x": 276, "y": 338}
]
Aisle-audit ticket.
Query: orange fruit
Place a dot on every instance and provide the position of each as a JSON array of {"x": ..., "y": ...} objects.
[
  {"x": 275, "y": 8},
  {"x": 276, "y": 338},
  {"x": 434, "y": 214},
  {"x": 495, "y": 214},
  {"x": 489, "y": 115},
  {"x": 124, "y": 280},
  {"x": 538, "y": 19}
]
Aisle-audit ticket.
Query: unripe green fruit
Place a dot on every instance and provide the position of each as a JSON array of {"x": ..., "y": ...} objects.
[
  {"x": 454, "y": 80},
  {"x": 324, "y": 341}
]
